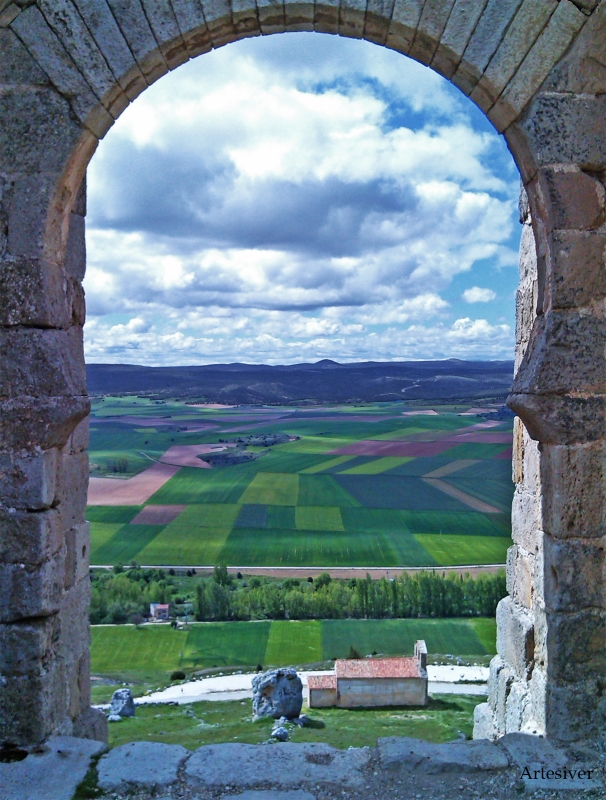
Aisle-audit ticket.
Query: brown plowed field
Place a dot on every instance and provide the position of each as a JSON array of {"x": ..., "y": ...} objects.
[
  {"x": 157, "y": 515},
  {"x": 134, "y": 492},
  {"x": 186, "y": 455}
]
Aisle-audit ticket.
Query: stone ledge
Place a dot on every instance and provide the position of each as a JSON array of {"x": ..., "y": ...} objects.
[{"x": 53, "y": 773}]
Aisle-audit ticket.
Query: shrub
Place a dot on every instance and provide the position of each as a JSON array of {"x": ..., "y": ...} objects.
[{"x": 177, "y": 675}]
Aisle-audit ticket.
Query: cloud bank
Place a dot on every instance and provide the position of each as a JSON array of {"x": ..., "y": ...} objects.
[{"x": 294, "y": 198}]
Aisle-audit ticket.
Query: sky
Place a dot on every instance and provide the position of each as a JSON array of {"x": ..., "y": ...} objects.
[{"x": 297, "y": 197}]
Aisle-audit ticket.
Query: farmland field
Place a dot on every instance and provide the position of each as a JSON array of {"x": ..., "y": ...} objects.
[
  {"x": 361, "y": 486},
  {"x": 153, "y": 651}
]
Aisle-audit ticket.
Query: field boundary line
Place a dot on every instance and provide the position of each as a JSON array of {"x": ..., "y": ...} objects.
[{"x": 463, "y": 497}]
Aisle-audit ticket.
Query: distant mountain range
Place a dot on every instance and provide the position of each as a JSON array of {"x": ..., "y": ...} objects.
[{"x": 324, "y": 381}]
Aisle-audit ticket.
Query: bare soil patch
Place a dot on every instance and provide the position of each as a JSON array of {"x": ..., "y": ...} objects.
[
  {"x": 133, "y": 492},
  {"x": 157, "y": 515}
]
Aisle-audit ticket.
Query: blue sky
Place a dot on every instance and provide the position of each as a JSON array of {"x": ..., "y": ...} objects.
[{"x": 299, "y": 197}]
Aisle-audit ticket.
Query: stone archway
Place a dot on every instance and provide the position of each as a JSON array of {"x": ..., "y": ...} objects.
[{"x": 68, "y": 68}]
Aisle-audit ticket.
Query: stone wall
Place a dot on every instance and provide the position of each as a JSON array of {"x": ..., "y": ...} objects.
[
  {"x": 537, "y": 69},
  {"x": 360, "y": 692}
]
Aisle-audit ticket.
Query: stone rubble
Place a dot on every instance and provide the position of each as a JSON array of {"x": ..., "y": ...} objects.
[{"x": 123, "y": 704}]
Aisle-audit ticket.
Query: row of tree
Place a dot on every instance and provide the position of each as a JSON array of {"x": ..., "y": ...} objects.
[{"x": 424, "y": 594}]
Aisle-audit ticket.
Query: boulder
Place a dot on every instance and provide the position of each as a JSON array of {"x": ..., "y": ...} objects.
[
  {"x": 277, "y": 693},
  {"x": 280, "y": 733},
  {"x": 123, "y": 704}
]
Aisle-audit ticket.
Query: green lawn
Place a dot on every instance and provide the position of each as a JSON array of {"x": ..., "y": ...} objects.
[{"x": 196, "y": 724}]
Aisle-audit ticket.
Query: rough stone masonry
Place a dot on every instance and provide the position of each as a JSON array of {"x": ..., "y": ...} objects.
[{"x": 537, "y": 68}]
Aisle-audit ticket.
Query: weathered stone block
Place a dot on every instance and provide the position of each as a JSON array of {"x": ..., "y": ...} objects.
[
  {"x": 326, "y": 17},
  {"x": 496, "y": 667},
  {"x": 566, "y": 354},
  {"x": 577, "y": 274},
  {"x": 25, "y": 646},
  {"x": 459, "y": 28},
  {"x": 103, "y": 27},
  {"x": 151, "y": 765},
  {"x": 486, "y": 37},
  {"x": 75, "y": 251},
  {"x": 517, "y": 42},
  {"x": 561, "y": 419},
  {"x": 271, "y": 16},
  {"x": 526, "y": 519},
  {"x": 245, "y": 19},
  {"x": 30, "y": 705},
  {"x": 28, "y": 206},
  {"x": 550, "y": 46},
  {"x": 41, "y": 363},
  {"x": 520, "y": 575},
  {"x": 299, "y": 16},
  {"x": 18, "y": 67},
  {"x": 91, "y": 724},
  {"x": 566, "y": 129},
  {"x": 378, "y": 18},
  {"x": 72, "y": 487},
  {"x": 218, "y": 18},
  {"x": 28, "y": 482},
  {"x": 576, "y": 711},
  {"x": 79, "y": 438},
  {"x": 574, "y": 500},
  {"x": 29, "y": 538},
  {"x": 352, "y": 16},
  {"x": 28, "y": 423},
  {"x": 431, "y": 26},
  {"x": 515, "y": 636},
  {"x": 569, "y": 199},
  {"x": 43, "y": 44},
  {"x": 406, "y": 14},
  {"x": 33, "y": 294},
  {"x": 575, "y": 571},
  {"x": 483, "y": 723},
  {"x": 77, "y": 555},
  {"x": 583, "y": 68},
  {"x": 576, "y": 645},
  {"x": 166, "y": 32},
  {"x": 517, "y": 707},
  {"x": 74, "y": 35},
  {"x": 31, "y": 591}
]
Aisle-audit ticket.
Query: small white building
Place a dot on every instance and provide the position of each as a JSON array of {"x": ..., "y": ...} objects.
[
  {"x": 159, "y": 612},
  {"x": 368, "y": 682}
]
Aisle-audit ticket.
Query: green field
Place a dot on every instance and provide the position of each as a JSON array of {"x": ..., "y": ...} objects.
[
  {"x": 300, "y": 503},
  {"x": 196, "y": 724},
  {"x": 153, "y": 651}
]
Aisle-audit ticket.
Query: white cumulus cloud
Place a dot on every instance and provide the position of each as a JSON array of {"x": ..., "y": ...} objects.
[{"x": 477, "y": 295}]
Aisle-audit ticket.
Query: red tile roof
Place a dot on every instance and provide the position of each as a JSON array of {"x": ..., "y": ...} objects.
[
  {"x": 322, "y": 681},
  {"x": 407, "y": 667}
]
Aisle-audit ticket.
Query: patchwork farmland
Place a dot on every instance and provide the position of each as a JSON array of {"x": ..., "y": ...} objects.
[{"x": 378, "y": 485}]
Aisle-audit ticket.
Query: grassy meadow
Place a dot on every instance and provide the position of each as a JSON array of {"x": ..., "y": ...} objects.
[
  {"x": 152, "y": 652},
  {"x": 195, "y": 724},
  {"x": 352, "y": 488}
]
